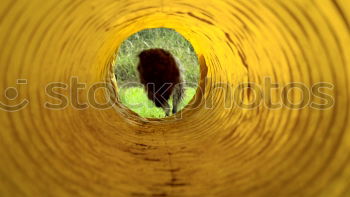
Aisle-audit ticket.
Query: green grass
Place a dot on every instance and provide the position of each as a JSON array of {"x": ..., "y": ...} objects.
[
  {"x": 136, "y": 99},
  {"x": 127, "y": 60},
  {"x": 168, "y": 39}
]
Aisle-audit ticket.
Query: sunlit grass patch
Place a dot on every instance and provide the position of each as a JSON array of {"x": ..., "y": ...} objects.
[{"x": 136, "y": 99}]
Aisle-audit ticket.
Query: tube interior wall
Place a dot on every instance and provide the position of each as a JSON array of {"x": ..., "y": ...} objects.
[{"x": 212, "y": 150}]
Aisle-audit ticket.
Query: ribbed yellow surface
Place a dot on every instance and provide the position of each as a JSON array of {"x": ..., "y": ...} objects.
[{"x": 209, "y": 152}]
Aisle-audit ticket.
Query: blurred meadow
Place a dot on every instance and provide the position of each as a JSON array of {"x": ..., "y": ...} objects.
[{"x": 134, "y": 97}]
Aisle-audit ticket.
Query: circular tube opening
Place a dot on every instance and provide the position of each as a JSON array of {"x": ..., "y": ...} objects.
[{"x": 133, "y": 94}]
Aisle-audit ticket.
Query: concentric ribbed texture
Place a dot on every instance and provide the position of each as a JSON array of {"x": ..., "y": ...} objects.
[{"x": 209, "y": 152}]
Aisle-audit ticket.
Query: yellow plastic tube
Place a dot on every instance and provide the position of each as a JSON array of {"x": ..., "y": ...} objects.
[{"x": 210, "y": 151}]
